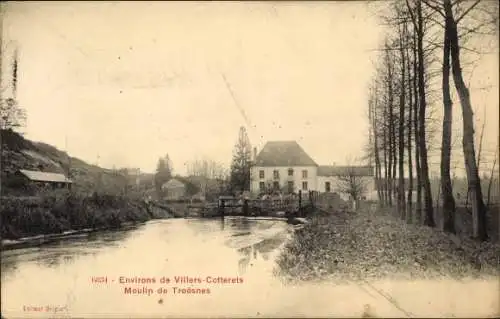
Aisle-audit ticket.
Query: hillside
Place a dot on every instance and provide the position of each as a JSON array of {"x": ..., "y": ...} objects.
[{"x": 21, "y": 153}]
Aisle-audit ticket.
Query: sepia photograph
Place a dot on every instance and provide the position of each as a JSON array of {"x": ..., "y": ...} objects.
[{"x": 250, "y": 159}]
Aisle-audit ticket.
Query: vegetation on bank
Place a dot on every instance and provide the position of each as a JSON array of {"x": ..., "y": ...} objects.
[
  {"x": 18, "y": 152},
  {"x": 407, "y": 130},
  {"x": 373, "y": 244},
  {"x": 100, "y": 198},
  {"x": 57, "y": 212}
]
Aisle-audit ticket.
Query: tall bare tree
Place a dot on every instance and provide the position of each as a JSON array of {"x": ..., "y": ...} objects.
[
  {"x": 416, "y": 13},
  {"x": 401, "y": 138},
  {"x": 474, "y": 183},
  {"x": 410, "y": 77},
  {"x": 446, "y": 186},
  {"x": 352, "y": 182},
  {"x": 374, "y": 148},
  {"x": 210, "y": 174},
  {"x": 12, "y": 115}
]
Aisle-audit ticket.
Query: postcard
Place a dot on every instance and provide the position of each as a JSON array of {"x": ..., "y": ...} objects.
[{"x": 249, "y": 159}]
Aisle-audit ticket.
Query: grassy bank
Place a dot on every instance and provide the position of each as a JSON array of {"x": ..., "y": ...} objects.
[
  {"x": 59, "y": 212},
  {"x": 373, "y": 244}
]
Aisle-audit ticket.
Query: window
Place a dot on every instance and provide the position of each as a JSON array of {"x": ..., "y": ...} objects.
[
  {"x": 304, "y": 185},
  {"x": 262, "y": 186},
  {"x": 276, "y": 174},
  {"x": 304, "y": 173},
  {"x": 327, "y": 187},
  {"x": 290, "y": 172},
  {"x": 261, "y": 174},
  {"x": 276, "y": 185},
  {"x": 290, "y": 187}
]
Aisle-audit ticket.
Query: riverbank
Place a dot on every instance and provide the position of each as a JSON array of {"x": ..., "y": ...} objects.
[
  {"x": 34, "y": 241},
  {"x": 370, "y": 244},
  {"x": 66, "y": 214}
]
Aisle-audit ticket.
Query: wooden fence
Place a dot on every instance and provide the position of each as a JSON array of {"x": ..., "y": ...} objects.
[{"x": 270, "y": 206}]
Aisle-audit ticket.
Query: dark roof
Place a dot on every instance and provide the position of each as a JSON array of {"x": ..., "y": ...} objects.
[
  {"x": 38, "y": 176},
  {"x": 173, "y": 183},
  {"x": 283, "y": 153},
  {"x": 345, "y": 170}
]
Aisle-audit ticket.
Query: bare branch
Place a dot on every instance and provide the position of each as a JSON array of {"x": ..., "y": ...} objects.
[
  {"x": 467, "y": 11},
  {"x": 481, "y": 141},
  {"x": 413, "y": 19},
  {"x": 435, "y": 8}
]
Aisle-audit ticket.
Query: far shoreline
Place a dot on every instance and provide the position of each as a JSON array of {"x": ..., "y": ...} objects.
[
  {"x": 43, "y": 239},
  {"x": 39, "y": 240}
]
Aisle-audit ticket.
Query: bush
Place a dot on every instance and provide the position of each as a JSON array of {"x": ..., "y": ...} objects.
[{"x": 58, "y": 211}]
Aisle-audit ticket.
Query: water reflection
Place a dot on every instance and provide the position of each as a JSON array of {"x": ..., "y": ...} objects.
[
  {"x": 178, "y": 247},
  {"x": 62, "y": 251},
  {"x": 262, "y": 250}
]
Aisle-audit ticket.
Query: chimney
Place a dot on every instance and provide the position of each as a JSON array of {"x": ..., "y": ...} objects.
[{"x": 254, "y": 154}]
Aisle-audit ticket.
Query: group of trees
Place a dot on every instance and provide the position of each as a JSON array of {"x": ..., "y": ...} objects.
[
  {"x": 209, "y": 176},
  {"x": 241, "y": 163},
  {"x": 12, "y": 115},
  {"x": 163, "y": 173},
  {"x": 352, "y": 183},
  {"x": 423, "y": 32}
]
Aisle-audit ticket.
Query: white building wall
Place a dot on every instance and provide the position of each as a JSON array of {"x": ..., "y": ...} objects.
[
  {"x": 370, "y": 194},
  {"x": 371, "y": 190},
  {"x": 283, "y": 177},
  {"x": 315, "y": 183}
]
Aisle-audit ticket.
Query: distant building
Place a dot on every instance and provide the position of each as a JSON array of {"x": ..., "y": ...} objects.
[
  {"x": 42, "y": 179},
  {"x": 285, "y": 166},
  {"x": 174, "y": 189},
  {"x": 132, "y": 174}
]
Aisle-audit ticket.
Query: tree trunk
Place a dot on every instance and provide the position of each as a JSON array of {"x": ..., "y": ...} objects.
[
  {"x": 474, "y": 182},
  {"x": 391, "y": 130},
  {"x": 429, "y": 212},
  {"x": 401, "y": 145},
  {"x": 418, "y": 202},
  {"x": 446, "y": 187},
  {"x": 410, "y": 162},
  {"x": 385, "y": 149},
  {"x": 376, "y": 149}
]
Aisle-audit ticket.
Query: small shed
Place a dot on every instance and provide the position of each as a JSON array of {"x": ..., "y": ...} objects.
[
  {"x": 174, "y": 189},
  {"x": 43, "y": 179}
]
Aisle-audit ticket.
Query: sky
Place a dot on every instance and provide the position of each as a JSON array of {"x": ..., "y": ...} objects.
[{"x": 123, "y": 83}]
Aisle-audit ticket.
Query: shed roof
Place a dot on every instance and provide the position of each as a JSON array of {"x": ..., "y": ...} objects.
[
  {"x": 38, "y": 176},
  {"x": 173, "y": 183},
  {"x": 345, "y": 170},
  {"x": 283, "y": 153}
]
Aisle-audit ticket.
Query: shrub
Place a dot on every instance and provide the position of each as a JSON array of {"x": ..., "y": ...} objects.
[{"x": 61, "y": 210}]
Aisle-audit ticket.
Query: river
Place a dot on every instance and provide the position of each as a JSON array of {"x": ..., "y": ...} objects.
[
  {"x": 61, "y": 278},
  {"x": 222, "y": 268}
]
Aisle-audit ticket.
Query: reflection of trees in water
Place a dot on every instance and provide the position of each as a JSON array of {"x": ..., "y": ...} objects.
[
  {"x": 263, "y": 249},
  {"x": 60, "y": 257},
  {"x": 206, "y": 226},
  {"x": 221, "y": 224},
  {"x": 241, "y": 224},
  {"x": 62, "y": 251},
  {"x": 268, "y": 245}
]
